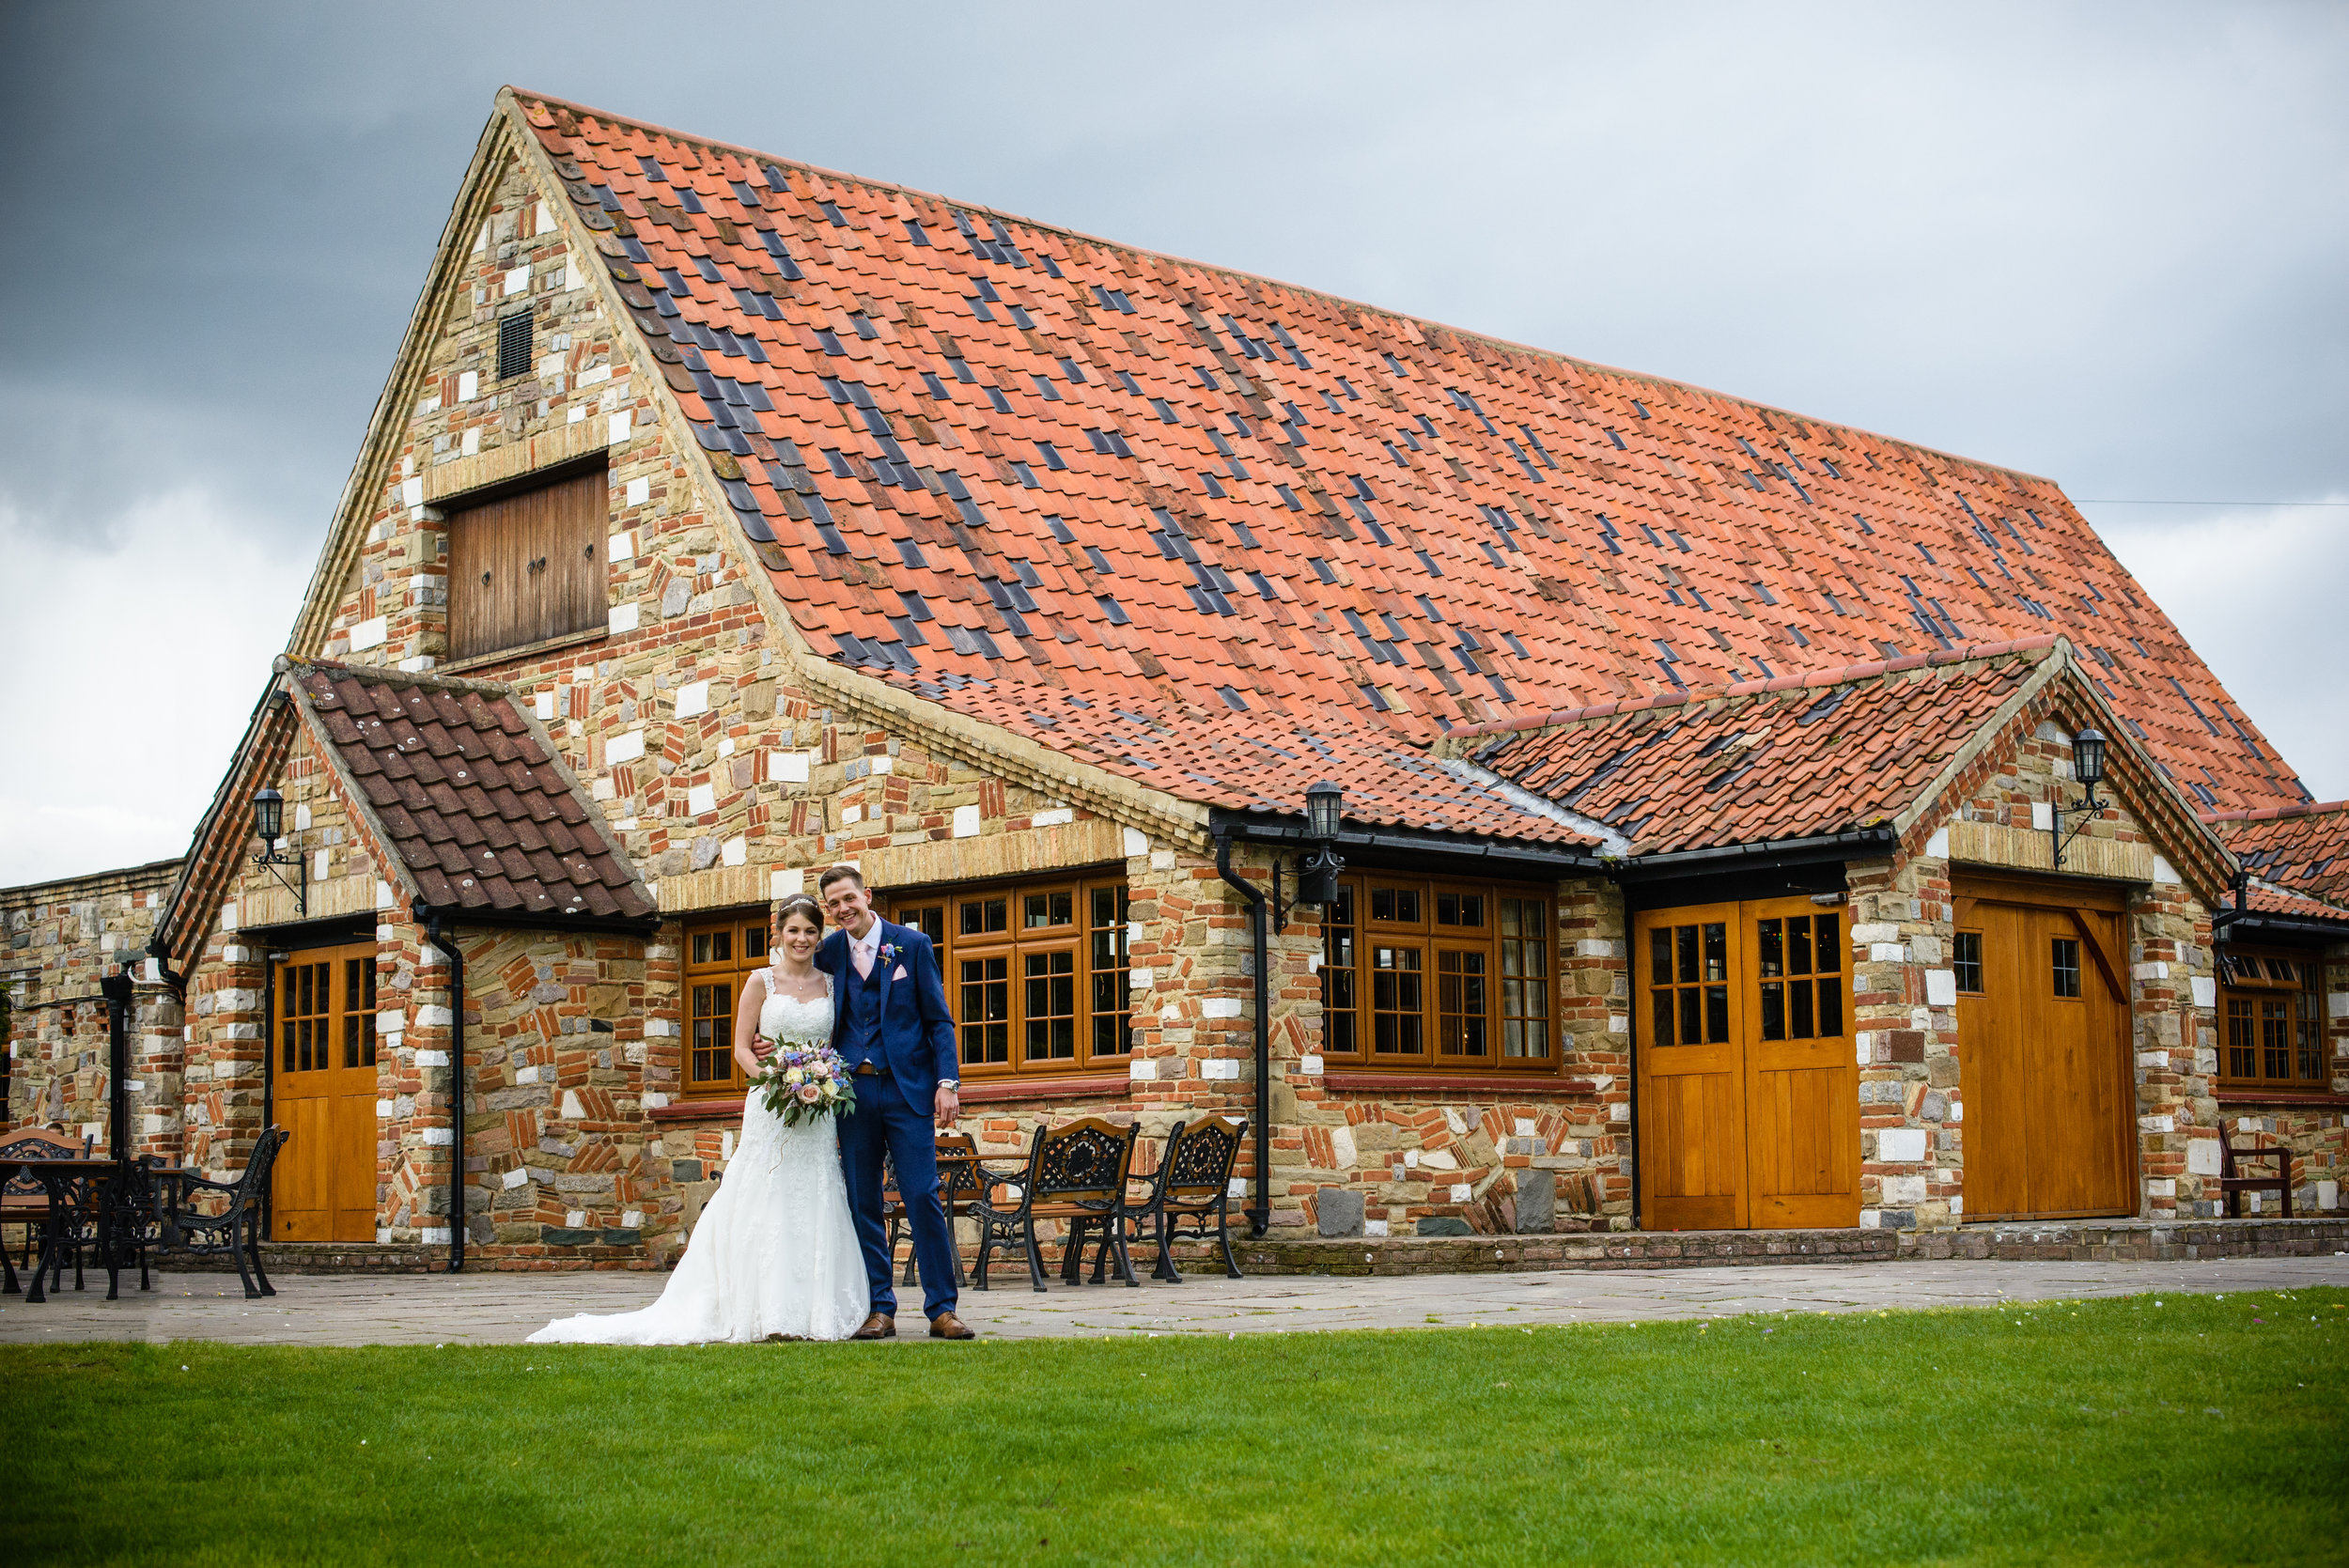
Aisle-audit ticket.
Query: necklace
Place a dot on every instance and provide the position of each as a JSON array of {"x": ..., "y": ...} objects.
[{"x": 791, "y": 987}]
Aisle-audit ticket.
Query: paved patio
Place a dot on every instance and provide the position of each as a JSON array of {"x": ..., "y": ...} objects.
[{"x": 501, "y": 1309}]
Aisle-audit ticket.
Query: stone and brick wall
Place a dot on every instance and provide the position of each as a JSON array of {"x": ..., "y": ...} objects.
[{"x": 61, "y": 937}]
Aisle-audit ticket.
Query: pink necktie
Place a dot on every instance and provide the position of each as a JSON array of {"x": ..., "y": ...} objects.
[{"x": 863, "y": 960}]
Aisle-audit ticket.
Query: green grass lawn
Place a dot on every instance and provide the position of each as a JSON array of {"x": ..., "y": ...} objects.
[{"x": 2194, "y": 1430}]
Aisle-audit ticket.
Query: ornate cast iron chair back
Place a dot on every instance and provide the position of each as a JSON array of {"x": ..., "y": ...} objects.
[
  {"x": 1076, "y": 1174},
  {"x": 1190, "y": 1190},
  {"x": 235, "y": 1231}
]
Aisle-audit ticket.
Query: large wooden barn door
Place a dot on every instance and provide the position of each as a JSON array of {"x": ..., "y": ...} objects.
[
  {"x": 1749, "y": 1110},
  {"x": 2043, "y": 1017},
  {"x": 324, "y": 1091}
]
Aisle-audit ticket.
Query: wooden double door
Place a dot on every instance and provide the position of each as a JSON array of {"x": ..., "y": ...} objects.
[
  {"x": 324, "y": 1092},
  {"x": 2043, "y": 1032},
  {"x": 1749, "y": 1094}
]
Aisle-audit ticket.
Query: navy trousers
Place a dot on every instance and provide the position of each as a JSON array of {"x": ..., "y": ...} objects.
[{"x": 883, "y": 1121}]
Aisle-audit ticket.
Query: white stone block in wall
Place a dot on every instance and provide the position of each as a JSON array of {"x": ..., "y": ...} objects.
[
  {"x": 1938, "y": 845},
  {"x": 2201, "y": 1156},
  {"x": 1236, "y": 1188},
  {"x": 2328, "y": 1195},
  {"x": 1879, "y": 931},
  {"x": 1957, "y": 1205},
  {"x": 573, "y": 1110},
  {"x": 1219, "y": 1068},
  {"x": 2161, "y": 1186},
  {"x": 470, "y": 444},
  {"x": 596, "y": 375},
  {"x": 468, "y": 386},
  {"x": 725, "y": 745},
  {"x": 1342, "y": 1147},
  {"x": 1141, "y": 980},
  {"x": 431, "y": 1059},
  {"x": 784, "y": 884},
  {"x": 639, "y": 490},
  {"x": 2164, "y": 871},
  {"x": 1462, "y": 1192},
  {"x": 701, "y": 800},
  {"x": 2336, "y": 1005},
  {"x": 431, "y": 1235},
  {"x": 543, "y": 704},
  {"x": 1941, "y": 987},
  {"x": 788, "y": 767},
  {"x": 322, "y": 860},
  {"x": 966, "y": 821},
  {"x": 1140, "y": 1070},
  {"x": 2155, "y": 970},
  {"x": 2042, "y": 816},
  {"x": 654, "y": 1098},
  {"x": 2157, "y": 1123},
  {"x": 1056, "y": 817},
  {"x": 659, "y": 1028},
  {"x": 527, "y": 1075},
  {"x": 1901, "y": 1145},
  {"x": 1871, "y": 1220},
  {"x": 2206, "y": 991},
  {"x": 1592, "y": 948},
  {"x": 438, "y": 1137},
  {"x": 369, "y": 633},
  {"x": 1411, "y": 1160},
  {"x": 517, "y": 280},
  {"x": 1161, "y": 859},
  {"x": 692, "y": 698},
  {"x": 1374, "y": 1227},
  {"x": 734, "y": 851},
  {"x": 1220, "y": 1007},
  {"x": 726, "y": 1144},
  {"x": 575, "y": 1219},
  {"x": 516, "y": 1177},
  {"x": 882, "y": 764},
  {"x": 1618, "y": 1023},
  {"x": 623, "y": 747},
  {"x": 1309, "y": 1066},
  {"x": 1619, "y": 1112},
  {"x": 616, "y": 430},
  {"x": 633, "y": 1218},
  {"x": 390, "y": 1022},
  {"x": 386, "y": 1109},
  {"x": 1904, "y": 1189},
  {"x": 1312, "y": 963},
  {"x": 433, "y": 1017},
  {"x": 411, "y": 492},
  {"x": 1887, "y": 952},
  {"x": 1137, "y": 843},
  {"x": 1527, "y": 1128}
]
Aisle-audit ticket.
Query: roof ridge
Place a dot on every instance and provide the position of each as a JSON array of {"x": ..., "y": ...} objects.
[
  {"x": 1511, "y": 345},
  {"x": 380, "y": 674},
  {"x": 1964, "y": 653},
  {"x": 2270, "y": 814}
]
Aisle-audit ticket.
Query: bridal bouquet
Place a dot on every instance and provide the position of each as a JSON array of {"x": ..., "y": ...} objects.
[{"x": 803, "y": 1081}]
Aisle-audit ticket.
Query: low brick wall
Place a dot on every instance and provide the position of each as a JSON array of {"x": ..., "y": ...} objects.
[
  {"x": 1511, "y": 1254},
  {"x": 2134, "y": 1241}
]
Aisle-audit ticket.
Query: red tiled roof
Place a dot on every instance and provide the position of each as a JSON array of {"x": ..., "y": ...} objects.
[
  {"x": 467, "y": 793},
  {"x": 1795, "y": 758},
  {"x": 2267, "y": 899},
  {"x": 1055, "y": 483},
  {"x": 2298, "y": 846}
]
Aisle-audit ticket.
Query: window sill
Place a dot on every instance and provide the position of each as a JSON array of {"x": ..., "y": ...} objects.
[
  {"x": 523, "y": 650},
  {"x": 1357, "y": 1080},
  {"x": 999, "y": 1091},
  {"x": 2251, "y": 1095},
  {"x": 716, "y": 1108}
]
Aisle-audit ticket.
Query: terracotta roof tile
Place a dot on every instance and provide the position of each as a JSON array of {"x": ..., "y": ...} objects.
[
  {"x": 2267, "y": 899},
  {"x": 2302, "y": 846},
  {"x": 1762, "y": 760},
  {"x": 1370, "y": 527},
  {"x": 458, "y": 785}
]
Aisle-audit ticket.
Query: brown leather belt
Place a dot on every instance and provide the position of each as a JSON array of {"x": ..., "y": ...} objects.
[{"x": 865, "y": 1069}]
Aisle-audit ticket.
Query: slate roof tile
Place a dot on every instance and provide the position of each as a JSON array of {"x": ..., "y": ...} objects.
[
  {"x": 1634, "y": 535},
  {"x": 459, "y": 785}
]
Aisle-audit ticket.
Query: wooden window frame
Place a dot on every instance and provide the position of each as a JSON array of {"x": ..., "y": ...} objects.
[
  {"x": 336, "y": 1030},
  {"x": 2248, "y": 990},
  {"x": 491, "y": 530},
  {"x": 1093, "y": 940},
  {"x": 1363, "y": 997},
  {"x": 746, "y": 934}
]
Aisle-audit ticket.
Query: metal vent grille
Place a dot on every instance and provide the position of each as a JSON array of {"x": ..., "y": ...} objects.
[{"x": 514, "y": 345}]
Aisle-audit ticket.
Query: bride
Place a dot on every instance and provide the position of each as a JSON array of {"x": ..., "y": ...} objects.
[{"x": 775, "y": 1255}]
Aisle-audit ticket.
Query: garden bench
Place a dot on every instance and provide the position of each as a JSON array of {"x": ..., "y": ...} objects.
[{"x": 1076, "y": 1175}]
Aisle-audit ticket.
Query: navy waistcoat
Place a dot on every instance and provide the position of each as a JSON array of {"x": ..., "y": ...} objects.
[{"x": 861, "y": 998}]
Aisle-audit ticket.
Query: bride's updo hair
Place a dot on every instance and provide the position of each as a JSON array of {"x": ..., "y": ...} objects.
[{"x": 799, "y": 903}]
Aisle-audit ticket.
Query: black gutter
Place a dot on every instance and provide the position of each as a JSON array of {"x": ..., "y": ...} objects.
[
  {"x": 2287, "y": 925},
  {"x": 1260, "y": 1215},
  {"x": 434, "y": 934},
  {"x": 1692, "y": 863},
  {"x": 1281, "y": 831}
]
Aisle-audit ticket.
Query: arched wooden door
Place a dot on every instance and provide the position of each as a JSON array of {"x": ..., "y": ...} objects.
[
  {"x": 2043, "y": 1032},
  {"x": 324, "y": 1092},
  {"x": 1749, "y": 1098}
]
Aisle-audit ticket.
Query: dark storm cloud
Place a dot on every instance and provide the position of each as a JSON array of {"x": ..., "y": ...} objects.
[{"x": 2101, "y": 244}]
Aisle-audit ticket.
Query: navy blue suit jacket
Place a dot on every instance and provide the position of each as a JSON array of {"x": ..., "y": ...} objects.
[{"x": 917, "y": 1030}]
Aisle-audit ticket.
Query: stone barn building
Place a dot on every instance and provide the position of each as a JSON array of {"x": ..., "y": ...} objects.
[{"x": 1717, "y": 851}]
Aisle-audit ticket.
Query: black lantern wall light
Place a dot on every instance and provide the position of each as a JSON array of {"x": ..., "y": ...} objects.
[
  {"x": 1316, "y": 872},
  {"x": 2088, "y": 767},
  {"x": 268, "y": 825}
]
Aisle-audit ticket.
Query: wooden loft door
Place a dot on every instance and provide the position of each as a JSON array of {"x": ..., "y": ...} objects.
[
  {"x": 324, "y": 1093},
  {"x": 1749, "y": 1098},
  {"x": 2043, "y": 1029},
  {"x": 527, "y": 567}
]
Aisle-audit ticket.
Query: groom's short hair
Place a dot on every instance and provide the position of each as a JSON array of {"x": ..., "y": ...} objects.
[{"x": 838, "y": 874}]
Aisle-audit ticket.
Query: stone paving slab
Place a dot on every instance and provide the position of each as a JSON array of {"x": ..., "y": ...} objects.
[{"x": 501, "y": 1309}]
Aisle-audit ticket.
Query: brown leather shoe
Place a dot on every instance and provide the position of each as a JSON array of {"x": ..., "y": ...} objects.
[
  {"x": 879, "y": 1326},
  {"x": 946, "y": 1325}
]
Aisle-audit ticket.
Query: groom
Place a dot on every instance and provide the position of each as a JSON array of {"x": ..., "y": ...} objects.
[{"x": 891, "y": 1025}]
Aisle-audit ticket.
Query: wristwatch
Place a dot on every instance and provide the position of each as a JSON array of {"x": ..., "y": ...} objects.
[{"x": 950, "y": 1084}]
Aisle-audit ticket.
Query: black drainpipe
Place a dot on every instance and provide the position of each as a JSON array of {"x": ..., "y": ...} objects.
[
  {"x": 270, "y": 961},
  {"x": 433, "y": 934},
  {"x": 1260, "y": 1213}
]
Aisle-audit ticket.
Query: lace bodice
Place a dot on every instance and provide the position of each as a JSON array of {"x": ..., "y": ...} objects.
[{"x": 789, "y": 1019}]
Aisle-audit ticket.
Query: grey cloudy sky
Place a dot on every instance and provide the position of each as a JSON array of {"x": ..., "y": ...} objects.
[{"x": 2104, "y": 244}]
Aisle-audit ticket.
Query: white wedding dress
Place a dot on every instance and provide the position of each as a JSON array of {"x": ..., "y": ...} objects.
[{"x": 775, "y": 1251}]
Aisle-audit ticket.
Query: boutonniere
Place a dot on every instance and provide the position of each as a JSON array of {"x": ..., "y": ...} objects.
[{"x": 889, "y": 951}]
